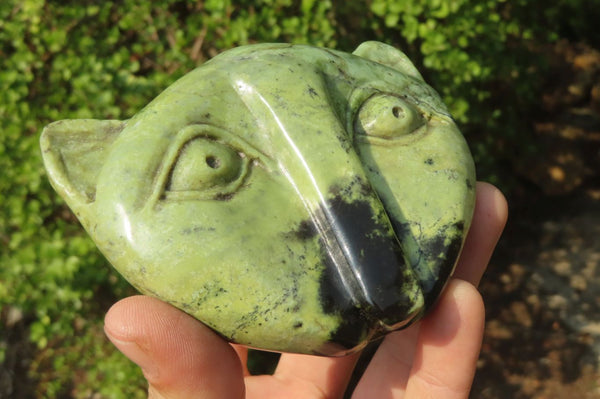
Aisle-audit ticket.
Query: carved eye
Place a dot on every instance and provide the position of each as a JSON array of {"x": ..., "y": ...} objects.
[
  {"x": 206, "y": 166},
  {"x": 388, "y": 117}
]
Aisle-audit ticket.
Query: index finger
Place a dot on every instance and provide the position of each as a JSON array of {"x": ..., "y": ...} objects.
[{"x": 491, "y": 213}]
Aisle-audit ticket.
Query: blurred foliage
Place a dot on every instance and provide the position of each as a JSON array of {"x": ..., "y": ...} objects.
[{"x": 87, "y": 58}]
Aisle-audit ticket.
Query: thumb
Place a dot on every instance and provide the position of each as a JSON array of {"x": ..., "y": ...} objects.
[{"x": 180, "y": 357}]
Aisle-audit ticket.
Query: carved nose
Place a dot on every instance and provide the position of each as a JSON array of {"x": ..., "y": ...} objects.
[{"x": 367, "y": 278}]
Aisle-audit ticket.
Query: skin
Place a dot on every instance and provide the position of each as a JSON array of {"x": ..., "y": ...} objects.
[{"x": 182, "y": 358}]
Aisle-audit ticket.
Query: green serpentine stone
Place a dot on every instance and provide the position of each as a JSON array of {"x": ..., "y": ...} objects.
[{"x": 292, "y": 198}]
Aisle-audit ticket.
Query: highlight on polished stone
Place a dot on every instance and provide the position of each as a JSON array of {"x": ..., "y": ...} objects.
[{"x": 292, "y": 198}]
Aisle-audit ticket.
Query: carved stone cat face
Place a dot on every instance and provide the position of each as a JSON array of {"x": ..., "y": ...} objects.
[{"x": 292, "y": 198}]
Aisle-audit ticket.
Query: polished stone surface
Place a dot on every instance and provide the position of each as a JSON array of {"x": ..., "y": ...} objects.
[{"x": 292, "y": 198}]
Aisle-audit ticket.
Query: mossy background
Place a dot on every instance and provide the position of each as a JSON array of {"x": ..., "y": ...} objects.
[{"x": 107, "y": 59}]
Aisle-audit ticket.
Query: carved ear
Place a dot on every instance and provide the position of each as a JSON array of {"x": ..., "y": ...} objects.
[
  {"x": 389, "y": 56},
  {"x": 74, "y": 152}
]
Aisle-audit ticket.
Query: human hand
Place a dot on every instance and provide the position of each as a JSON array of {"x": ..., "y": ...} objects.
[{"x": 182, "y": 358}]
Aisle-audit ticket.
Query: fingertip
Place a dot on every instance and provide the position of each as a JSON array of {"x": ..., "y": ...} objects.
[
  {"x": 468, "y": 302},
  {"x": 489, "y": 218},
  {"x": 492, "y": 204},
  {"x": 450, "y": 335},
  {"x": 180, "y": 356},
  {"x": 461, "y": 306},
  {"x": 121, "y": 321},
  {"x": 126, "y": 333}
]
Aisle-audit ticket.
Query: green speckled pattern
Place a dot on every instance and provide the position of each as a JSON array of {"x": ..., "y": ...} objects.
[{"x": 290, "y": 197}]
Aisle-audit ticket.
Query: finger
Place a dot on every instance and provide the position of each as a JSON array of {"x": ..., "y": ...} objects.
[
  {"x": 489, "y": 218},
  {"x": 391, "y": 365},
  {"x": 448, "y": 345},
  {"x": 242, "y": 353},
  {"x": 304, "y": 376},
  {"x": 388, "y": 372},
  {"x": 180, "y": 357}
]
